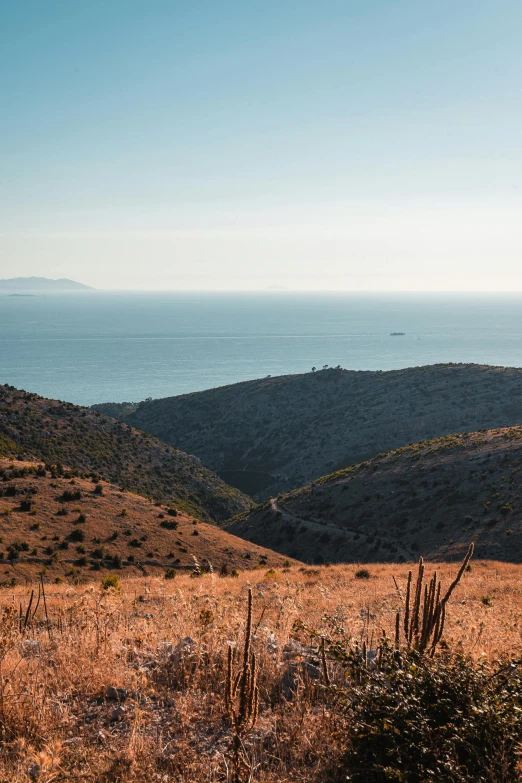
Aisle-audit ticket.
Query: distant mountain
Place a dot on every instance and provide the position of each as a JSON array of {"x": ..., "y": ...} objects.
[
  {"x": 51, "y": 431},
  {"x": 42, "y": 285},
  {"x": 432, "y": 497},
  {"x": 275, "y": 434}
]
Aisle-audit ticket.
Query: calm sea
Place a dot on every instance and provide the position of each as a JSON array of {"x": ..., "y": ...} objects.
[{"x": 128, "y": 346}]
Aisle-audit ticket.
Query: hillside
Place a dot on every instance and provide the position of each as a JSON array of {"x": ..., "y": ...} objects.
[
  {"x": 53, "y": 431},
  {"x": 74, "y": 527},
  {"x": 275, "y": 434},
  {"x": 432, "y": 497}
]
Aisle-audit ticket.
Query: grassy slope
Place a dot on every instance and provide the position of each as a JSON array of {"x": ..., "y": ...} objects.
[
  {"x": 120, "y": 523},
  {"x": 433, "y": 497},
  {"x": 278, "y": 433},
  {"x": 52, "y": 431}
]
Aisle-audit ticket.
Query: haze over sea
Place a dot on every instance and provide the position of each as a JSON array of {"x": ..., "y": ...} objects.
[{"x": 112, "y": 346}]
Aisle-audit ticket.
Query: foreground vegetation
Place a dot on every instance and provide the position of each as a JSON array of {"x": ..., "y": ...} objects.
[{"x": 176, "y": 680}]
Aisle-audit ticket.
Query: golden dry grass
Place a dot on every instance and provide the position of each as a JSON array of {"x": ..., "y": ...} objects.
[{"x": 172, "y": 725}]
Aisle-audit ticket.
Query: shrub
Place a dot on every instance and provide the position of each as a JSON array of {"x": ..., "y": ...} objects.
[
  {"x": 170, "y": 573},
  {"x": 70, "y": 494},
  {"x": 169, "y": 524},
  {"x": 362, "y": 573},
  {"x": 77, "y": 535},
  {"x": 426, "y": 719},
  {"x": 14, "y": 549},
  {"x": 98, "y": 489},
  {"x": 110, "y": 580}
]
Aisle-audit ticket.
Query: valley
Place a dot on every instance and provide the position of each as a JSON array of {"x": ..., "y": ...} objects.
[{"x": 276, "y": 434}]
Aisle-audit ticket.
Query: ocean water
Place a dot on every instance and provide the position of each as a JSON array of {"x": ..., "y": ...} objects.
[{"x": 101, "y": 347}]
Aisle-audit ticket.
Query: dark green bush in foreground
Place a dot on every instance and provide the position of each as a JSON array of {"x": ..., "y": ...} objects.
[
  {"x": 442, "y": 719},
  {"x": 414, "y": 710}
]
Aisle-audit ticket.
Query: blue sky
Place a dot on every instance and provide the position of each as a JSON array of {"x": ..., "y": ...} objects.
[{"x": 354, "y": 145}]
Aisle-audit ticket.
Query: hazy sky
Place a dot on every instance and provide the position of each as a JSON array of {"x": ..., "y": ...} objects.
[{"x": 368, "y": 144}]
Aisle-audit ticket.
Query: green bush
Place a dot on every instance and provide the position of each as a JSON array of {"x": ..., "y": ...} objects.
[
  {"x": 70, "y": 495},
  {"x": 76, "y": 535},
  {"x": 423, "y": 719},
  {"x": 110, "y": 580},
  {"x": 169, "y": 524}
]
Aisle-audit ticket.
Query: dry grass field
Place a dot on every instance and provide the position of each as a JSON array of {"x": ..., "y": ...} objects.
[{"x": 128, "y": 683}]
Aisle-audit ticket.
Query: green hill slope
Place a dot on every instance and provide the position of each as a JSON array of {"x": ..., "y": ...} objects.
[
  {"x": 275, "y": 434},
  {"x": 52, "y": 431},
  {"x": 432, "y": 497}
]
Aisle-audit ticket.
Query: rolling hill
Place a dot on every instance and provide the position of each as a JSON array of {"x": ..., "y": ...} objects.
[
  {"x": 432, "y": 497},
  {"x": 52, "y": 431},
  {"x": 75, "y": 527},
  {"x": 275, "y": 434}
]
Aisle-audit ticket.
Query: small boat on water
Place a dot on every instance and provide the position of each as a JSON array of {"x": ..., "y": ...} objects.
[{"x": 397, "y": 334}]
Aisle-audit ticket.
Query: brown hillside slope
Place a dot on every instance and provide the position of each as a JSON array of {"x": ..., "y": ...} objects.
[
  {"x": 276, "y": 434},
  {"x": 433, "y": 497},
  {"x": 74, "y": 527},
  {"x": 52, "y": 431}
]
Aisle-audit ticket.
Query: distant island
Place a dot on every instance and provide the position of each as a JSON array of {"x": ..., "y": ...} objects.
[{"x": 41, "y": 285}]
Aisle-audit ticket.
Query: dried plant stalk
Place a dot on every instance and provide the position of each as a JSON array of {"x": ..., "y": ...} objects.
[
  {"x": 424, "y": 622},
  {"x": 242, "y": 699}
]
